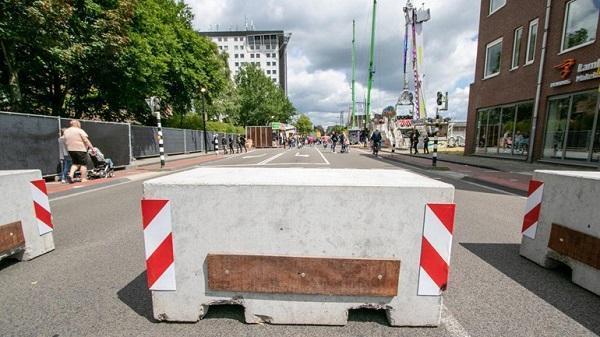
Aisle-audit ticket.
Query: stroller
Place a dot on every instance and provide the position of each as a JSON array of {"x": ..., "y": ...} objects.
[{"x": 103, "y": 167}]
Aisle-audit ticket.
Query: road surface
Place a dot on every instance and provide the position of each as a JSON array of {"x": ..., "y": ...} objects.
[{"x": 94, "y": 283}]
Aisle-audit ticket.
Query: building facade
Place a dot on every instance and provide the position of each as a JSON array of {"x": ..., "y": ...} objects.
[
  {"x": 537, "y": 82},
  {"x": 265, "y": 49}
]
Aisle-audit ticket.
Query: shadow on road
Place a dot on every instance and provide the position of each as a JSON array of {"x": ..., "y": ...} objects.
[
  {"x": 137, "y": 296},
  {"x": 553, "y": 286}
]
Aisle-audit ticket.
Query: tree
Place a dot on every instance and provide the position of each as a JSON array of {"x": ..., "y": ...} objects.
[
  {"x": 303, "y": 125},
  {"x": 260, "y": 100}
]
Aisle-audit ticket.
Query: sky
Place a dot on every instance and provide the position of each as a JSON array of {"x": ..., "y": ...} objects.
[{"x": 320, "y": 49}]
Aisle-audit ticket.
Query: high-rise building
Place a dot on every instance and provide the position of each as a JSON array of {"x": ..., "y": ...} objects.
[
  {"x": 537, "y": 76},
  {"x": 267, "y": 49}
]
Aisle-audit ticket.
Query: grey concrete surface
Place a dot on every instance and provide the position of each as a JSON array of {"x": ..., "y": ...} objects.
[{"x": 94, "y": 284}]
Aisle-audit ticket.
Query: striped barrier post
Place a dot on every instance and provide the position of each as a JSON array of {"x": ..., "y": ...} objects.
[
  {"x": 436, "y": 246},
  {"x": 532, "y": 208},
  {"x": 41, "y": 206},
  {"x": 158, "y": 244}
]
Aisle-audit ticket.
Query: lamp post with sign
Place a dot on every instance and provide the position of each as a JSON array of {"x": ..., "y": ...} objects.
[
  {"x": 154, "y": 105},
  {"x": 442, "y": 105},
  {"x": 203, "y": 92}
]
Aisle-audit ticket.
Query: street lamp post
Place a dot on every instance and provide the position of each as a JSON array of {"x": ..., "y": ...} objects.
[
  {"x": 154, "y": 104},
  {"x": 203, "y": 91},
  {"x": 442, "y": 104}
]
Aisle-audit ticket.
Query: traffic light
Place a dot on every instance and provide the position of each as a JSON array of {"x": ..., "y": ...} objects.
[{"x": 440, "y": 98}]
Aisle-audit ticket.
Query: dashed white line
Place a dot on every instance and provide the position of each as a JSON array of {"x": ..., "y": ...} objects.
[
  {"x": 452, "y": 325},
  {"x": 270, "y": 159},
  {"x": 322, "y": 156}
]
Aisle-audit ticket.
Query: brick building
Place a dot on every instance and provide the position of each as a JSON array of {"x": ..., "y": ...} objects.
[{"x": 536, "y": 89}]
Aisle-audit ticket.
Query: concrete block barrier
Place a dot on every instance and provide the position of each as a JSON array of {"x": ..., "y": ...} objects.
[
  {"x": 298, "y": 246},
  {"x": 561, "y": 224},
  {"x": 25, "y": 218}
]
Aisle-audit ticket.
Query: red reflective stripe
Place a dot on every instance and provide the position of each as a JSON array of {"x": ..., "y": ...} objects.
[
  {"x": 160, "y": 260},
  {"x": 42, "y": 214},
  {"x": 533, "y": 186},
  {"x": 444, "y": 212},
  {"x": 532, "y": 217},
  {"x": 150, "y": 208},
  {"x": 434, "y": 264},
  {"x": 41, "y": 185}
]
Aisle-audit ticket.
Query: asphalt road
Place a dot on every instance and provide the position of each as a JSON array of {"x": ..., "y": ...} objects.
[{"x": 94, "y": 283}]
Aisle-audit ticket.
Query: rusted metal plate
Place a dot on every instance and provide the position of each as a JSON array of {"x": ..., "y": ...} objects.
[
  {"x": 576, "y": 245},
  {"x": 303, "y": 275},
  {"x": 11, "y": 238}
]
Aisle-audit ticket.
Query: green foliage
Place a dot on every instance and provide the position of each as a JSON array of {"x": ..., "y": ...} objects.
[
  {"x": 102, "y": 58},
  {"x": 260, "y": 100},
  {"x": 303, "y": 125},
  {"x": 194, "y": 121}
]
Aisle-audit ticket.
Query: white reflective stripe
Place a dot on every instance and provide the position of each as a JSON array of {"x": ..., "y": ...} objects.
[
  {"x": 39, "y": 197},
  {"x": 530, "y": 232},
  {"x": 427, "y": 286},
  {"x": 157, "y": 230},
  {"x": 437, "y": 234},
  {"x": 160, "y": 141},
  {"x": 166, "y": 281},
  {"x": 534, "y": 199},
  {"x": 43, "y": 228}
]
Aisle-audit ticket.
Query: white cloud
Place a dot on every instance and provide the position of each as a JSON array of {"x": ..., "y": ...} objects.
[{"x": 319, "y": 54}]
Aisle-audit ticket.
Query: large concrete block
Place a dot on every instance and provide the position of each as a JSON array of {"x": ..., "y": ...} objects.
[
  {"x": 568, "y": 222},
  {"x": 17, "y": 206},
  {"x": 350, "y": 214}
]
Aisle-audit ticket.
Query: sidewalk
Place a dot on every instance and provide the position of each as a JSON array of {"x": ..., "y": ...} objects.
[{"x": 142, "y": 168}]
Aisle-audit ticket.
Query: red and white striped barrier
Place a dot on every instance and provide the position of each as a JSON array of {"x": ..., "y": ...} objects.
[
  {"x": 532, "y": 208},
  {"x": 41, "y": 206},
  {"x": 158, "y": 244},
  {"x": 435, "y": 249}
]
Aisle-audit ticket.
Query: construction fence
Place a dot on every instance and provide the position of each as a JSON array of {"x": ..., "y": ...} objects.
[{"x": 31, "y": 141}]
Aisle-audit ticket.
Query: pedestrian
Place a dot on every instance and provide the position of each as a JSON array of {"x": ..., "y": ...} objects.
[
  {"x": 426, "y": 144},
  {"x": 216, "y": 143},
  {"x": 230, "y": 144},
  {"x": 243, "y": 143},
  {"x": 77, "y": 143},
  {"x": 334, "y": 139},
  {"x": 239, "y": 143},
  {"x": 65, "y": 159},
  {"x": 342, "y": 140},
  {"x": 415, "y": 141},
  {"x": 224, "y": 143}
]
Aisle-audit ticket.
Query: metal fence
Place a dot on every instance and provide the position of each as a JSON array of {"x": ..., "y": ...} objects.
[{"x": 31, "y": 141}]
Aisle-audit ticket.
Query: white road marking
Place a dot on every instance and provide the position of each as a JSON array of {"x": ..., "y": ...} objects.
[
  {"x": 256, "y": 156},
  {"x": 92, "y": 190},
  {"x": 301, "y": 155},
  {"x": 270, "y": 159},
  {"x": 322, "y": 156},
  {"x": 452, "y": 325}
]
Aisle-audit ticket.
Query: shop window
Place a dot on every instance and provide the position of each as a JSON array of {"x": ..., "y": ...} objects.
[
  {"x": 493, "y": 131},
  {"x": 482, "y": 119},
  {"x": 581, "y": 23},
  {"x": 507, "y": 126},
  {"x": 558, "y": 112},
  {"x": 493, "y": 54},
  {"x": 495, "y": 5},
  {"x": 521, "y": 138},
  {"x": 570, "y": 130},
  {"x": 518, "y": 35},
  {"x": 531, "y": 41},
  {"x": 504, "y": 130}
]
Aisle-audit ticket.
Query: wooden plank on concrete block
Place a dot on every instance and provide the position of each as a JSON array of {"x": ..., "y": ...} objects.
[
  {"x": 303, "y": 275},
  {"x": 11, "y": 237},
  {"x": 576, "y": 245}
]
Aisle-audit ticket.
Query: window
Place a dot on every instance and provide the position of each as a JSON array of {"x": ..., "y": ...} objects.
[
  {"x": 251, "y": 56},
  {"x": 242, "y": 47},
  {"x": 241, "y": 39},
  {"x": 220, "y": 47},
  {"x": 241, "y": 56},
  {"x": 220, "y": 39},
  {"x": 581, "y": 22},
  {"x": 493, "y": 54},
  {"x": 516, "y": 47},
  {"x": 274, "y": 80},
  {"x": 268, "y": 63},
  {"x": 268, "y": 72},
  {"x": 496, "y": 5},
  {"x": 274, "y": 63},
  {"x": 274, "y": 72},
  {"x": 225, "y": 39},
  {"x": 504, "y": 130},
  {"x": 235, "y": 47},
  {"x": 237, "y": 64},
  {"x": 236, "y": 55},
  {"x": 531, "y": 41},
  {"x": 226, "y": 47},
  {"x": 235, "y": 39},
  {"x": 257, "y": 56}
]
